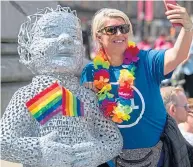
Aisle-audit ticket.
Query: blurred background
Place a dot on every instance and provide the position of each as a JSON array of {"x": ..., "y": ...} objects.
[{"x": 150, "y": 26}]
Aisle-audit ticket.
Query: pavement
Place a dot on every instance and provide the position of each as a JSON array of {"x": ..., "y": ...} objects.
[{"x": 9, "y": 164}]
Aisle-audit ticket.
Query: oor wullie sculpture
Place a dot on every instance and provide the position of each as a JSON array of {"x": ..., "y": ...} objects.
[{"x": 50, "y": 45}]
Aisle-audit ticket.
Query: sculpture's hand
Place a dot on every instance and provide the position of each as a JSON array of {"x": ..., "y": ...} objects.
[
  {"x": 87, "y": 154},
  {"x": 59, "y": 154},
  {"x": 54, "y": 153}
]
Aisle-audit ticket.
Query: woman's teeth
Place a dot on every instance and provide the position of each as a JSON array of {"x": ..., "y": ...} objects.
[{"x": 118, "y": 41}]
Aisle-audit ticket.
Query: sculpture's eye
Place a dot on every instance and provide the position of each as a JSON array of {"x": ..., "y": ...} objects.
[
  {"x": 53, "y": 35},
  {"x": 74, "y": 37},
  {"x": 42, "y": 53}
]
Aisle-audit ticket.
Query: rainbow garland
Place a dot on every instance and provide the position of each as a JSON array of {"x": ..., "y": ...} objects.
[
  {"x": 116, "y": 108},
  {"x": 53, "y": 100}
]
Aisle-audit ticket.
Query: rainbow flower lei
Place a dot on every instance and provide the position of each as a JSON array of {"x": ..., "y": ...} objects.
[{"x": 116, "y": 108}]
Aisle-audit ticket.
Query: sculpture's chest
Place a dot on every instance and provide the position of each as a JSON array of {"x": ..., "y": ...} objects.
[{"x": 69, "y": 129}]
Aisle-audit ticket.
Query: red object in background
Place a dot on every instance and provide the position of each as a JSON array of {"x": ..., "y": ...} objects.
[
  {"x": 148, "y": 10},
  {"x": 160, "y": 41},
  {"x": 145, "y": 12},
  {"x": 140, "y": 12},
  {"x": 163, "y": 43},
  {"x": 144, "y": 45},
  {"x": 167, "y": 45}
]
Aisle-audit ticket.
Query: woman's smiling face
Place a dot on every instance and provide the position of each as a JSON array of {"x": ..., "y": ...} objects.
[{"x": 117, "y": 42}]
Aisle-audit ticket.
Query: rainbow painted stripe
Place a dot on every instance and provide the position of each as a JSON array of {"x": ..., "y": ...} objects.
[{"x": 53, "y": 100}]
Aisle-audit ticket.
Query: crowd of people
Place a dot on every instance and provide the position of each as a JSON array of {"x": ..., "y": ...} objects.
[
  {"x": 183, "y": 75},
  {"x": 115, "y": 115},
  {"x": 163, "y": 41}
]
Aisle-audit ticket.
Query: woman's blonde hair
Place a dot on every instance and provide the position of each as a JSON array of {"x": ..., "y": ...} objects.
[{"x": 101, "y": 16}]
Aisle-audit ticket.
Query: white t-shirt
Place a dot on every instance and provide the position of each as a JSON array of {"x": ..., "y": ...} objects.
[{"x": 187, "y": 135}]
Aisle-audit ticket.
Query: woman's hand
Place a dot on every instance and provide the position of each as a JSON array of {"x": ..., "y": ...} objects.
[
  {"x": 178, "y": 14},
  {"x": 178, "y": 53},
  {"x": 90, "y": 85}
]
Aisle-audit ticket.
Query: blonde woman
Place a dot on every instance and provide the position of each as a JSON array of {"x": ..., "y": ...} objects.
[{"x": 126, "y": 81}]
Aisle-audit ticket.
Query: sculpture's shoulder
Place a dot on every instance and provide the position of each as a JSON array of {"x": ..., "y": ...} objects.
[
  {"x": 29, "y": 91},
  {"x": 16, "y": 118},
  {"x": 89, "y": 100},
  {"x": 23, "y": 94},
  {"x": 87, "y": 94},
  {"x": 41, "y": 82}
]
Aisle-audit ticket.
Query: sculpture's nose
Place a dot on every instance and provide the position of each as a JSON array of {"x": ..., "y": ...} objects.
[{"x": 65, "y": 39}]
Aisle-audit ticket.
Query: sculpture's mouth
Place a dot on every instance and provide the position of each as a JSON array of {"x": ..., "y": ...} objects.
[{"x": 61, "y": 55}]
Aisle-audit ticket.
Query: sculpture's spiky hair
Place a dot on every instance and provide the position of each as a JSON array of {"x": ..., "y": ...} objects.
[{"x": 26, "y": 32}]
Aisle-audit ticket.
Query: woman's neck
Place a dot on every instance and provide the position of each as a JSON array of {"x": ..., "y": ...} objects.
[{"x": 115, "y": 59}]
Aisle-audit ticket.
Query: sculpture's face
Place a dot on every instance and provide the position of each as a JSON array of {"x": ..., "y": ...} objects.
[{"x": 57, "y": 44}]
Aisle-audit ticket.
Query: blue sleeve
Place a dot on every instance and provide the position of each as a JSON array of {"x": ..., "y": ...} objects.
[
  {"x": 87, "y": 74},
  {"x": 111, "y": 163},
  {"x": 155, "y": 60}
]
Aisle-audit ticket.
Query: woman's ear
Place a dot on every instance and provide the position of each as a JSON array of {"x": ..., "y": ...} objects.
[
  {"x": 172, "y": 110},
  {"x": 98, "y": 37}
]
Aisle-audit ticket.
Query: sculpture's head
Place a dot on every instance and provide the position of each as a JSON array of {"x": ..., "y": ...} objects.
[{"x": 51, "y": 42}]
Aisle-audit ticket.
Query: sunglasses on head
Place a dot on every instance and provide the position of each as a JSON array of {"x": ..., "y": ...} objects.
[{"x": 112, "y": 30}]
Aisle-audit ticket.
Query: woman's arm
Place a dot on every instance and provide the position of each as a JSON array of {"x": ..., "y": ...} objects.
[{"x": 177, "y": 54}]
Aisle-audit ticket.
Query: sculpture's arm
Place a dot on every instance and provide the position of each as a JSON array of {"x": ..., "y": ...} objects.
[
  {"x": 107, "y": 142},
  {"x": 109, "y": 139},
  {"x": 19, "y": 141}
]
